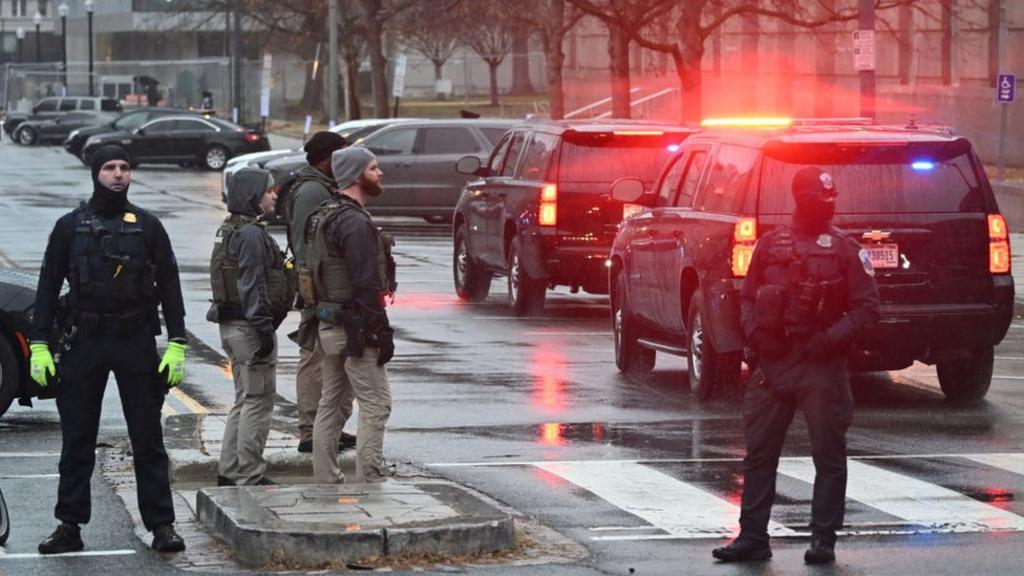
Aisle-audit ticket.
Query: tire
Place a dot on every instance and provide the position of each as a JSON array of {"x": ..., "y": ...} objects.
[
  {"x": 966, "y": 380},
  {"x": 216, "y": 157},
  {"x": 5, "y": 521},
  {"x": 25, "y": 136},
  {"x": 525, "y": 295},
  {"x": 10, "y": 374},
  {"x": 472, "y": 283},
  {"x": 630, "y": 357},
  {"x": 710, "y": 372}
]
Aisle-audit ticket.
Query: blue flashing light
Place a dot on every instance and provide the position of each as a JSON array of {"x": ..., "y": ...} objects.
[
  {"x": 673, "y": 147},
  {"x": 923, "y": 165}
]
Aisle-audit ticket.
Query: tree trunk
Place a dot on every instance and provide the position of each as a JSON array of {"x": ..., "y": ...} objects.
[
  {"x": 825, "y": 65},
  {"x": 750, "y": 62},
  {"x": 905, "y": 37},
  {"x": 556, "y": 88},
  {"x": 378, "y": 67},
  {"x": 521, "y": 63},
  {"x": 947, "y": 42},
  {"x": 688, "y": 60},
  {"x": 353, "y": 108},
  {"x": 492, "y": 65},
  {"x": 618, "y": 54},
  {"x": 438, "y": 65},
  {"x": 994, "y": 15}
]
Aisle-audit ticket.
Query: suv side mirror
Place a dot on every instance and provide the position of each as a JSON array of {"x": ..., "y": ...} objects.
[
  {"x": 472, "y": 166},
  {"x": 140, "y": 131},
  {"x": 628, "y": 190}
]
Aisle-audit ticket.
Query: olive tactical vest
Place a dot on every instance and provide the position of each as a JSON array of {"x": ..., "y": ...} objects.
[
  {"x": 224, "y": 270},
  {"x": 327, "y": 274},
  {"x": 110, "y": 262}
]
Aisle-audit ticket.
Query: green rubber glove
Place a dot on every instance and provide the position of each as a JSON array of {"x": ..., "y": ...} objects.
[
  {"x": 174, "y": 363},
  {"x": 41, "y": 364}
]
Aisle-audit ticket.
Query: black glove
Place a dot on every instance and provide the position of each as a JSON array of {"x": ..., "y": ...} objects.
[
  {"x": 818, "y": 346},
  {"x": 767, "y": 344},
  {"x": 385, "y": 346},
  {"x": 266, "y": 345},
  {"x": 354, "y": 324}
]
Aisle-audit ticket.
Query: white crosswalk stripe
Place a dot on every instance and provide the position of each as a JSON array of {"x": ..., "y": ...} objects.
[{"x": 1010, "y": 462}]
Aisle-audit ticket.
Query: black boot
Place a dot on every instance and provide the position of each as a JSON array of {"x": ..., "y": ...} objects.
[
  {"x": 346, "y": 441},
  {"x": 66, "y": 538},
  {"x": 165, "y": 539},
  {"x": 306, "y": 446},
  {"x": 265, "y": 482},
  {"x": 820, "y": 552},
  {"x": 224, "y": 481},
  {"x": 743, "y": 551}
]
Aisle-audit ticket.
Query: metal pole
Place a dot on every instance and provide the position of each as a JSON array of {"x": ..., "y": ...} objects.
[
  {"x": 237, "y": 53},
  {"x": 332, "y": 62},
  {"x": 867, "y": 77},
  {"x": 92, "y": 81},
  {"x": 1003, "y": 34},
  {"x": 64, "y": 51},
  {"x": 37, "y": 45},
  {"x": 21, "y": 58}
]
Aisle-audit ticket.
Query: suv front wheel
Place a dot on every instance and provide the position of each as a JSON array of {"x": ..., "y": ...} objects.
[
  {"x": 471, "y": 282},
  {"x": 966, "y": 380},
  {"x": 525, "y": 295},
  {"x": 630, "y": 356},
  {"x": 710, "y": 371}
]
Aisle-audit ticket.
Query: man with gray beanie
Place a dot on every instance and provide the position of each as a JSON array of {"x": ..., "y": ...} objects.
[
  {"x": 251, "y": 297},
  {"x": 313, "y": 185},
  {"x": 353, "y": 273}
]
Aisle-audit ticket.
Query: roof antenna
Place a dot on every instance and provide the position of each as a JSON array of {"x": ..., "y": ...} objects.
[{"x": 913, "y": 99}]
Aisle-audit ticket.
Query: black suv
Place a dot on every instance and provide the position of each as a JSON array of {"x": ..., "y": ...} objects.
[
  {"x": 540, "y": 212},
  {"x": 17, "y": 294},
  {"x": 916, "y": 198}
]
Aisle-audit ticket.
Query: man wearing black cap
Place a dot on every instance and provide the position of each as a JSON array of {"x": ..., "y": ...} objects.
[
  {"x": 809, "y": 292},
  {"x": 119, "y": 265},
  {"x": 313, "y": 185}
]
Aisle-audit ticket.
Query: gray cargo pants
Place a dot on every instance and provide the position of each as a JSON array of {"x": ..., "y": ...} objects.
[
  {"x": 248, "y": 424},
  {"x": 343, "y": 379}
]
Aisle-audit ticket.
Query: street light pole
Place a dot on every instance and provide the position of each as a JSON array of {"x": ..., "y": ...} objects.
[
  {"x": 37, "y": 20},
  {"x": 20, "y": 35},
  {"x": 866, "y": 22},
  {"x": 63, "y": 11},
  {"x": 236, "y": 49},
  {"x": 89, "y": 6},
  {"x": 332, "y": 62}
]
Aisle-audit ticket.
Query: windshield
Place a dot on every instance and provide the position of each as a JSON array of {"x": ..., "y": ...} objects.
[
  {"x": 911, "y": 178},
  {"x": 605, "y": 157}
]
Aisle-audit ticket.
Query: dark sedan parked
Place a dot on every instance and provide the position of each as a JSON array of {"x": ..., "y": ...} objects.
[
  {"x": 17, "y": 293},
  {"x": 55, "y": 130},
  {"x": 125, "y": 123},
  {"x": 184, "y": 140}
]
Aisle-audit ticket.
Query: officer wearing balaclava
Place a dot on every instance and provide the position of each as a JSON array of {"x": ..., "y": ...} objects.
[
  {"x": 350, "y": 260},
  {"x": 809, "y": 292},
  {"x": 119, "y": 265}
]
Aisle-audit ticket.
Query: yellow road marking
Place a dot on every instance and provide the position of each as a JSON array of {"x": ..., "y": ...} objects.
[{"x": 190, "y": 403}]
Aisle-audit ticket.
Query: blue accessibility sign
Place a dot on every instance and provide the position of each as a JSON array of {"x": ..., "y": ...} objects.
[{"x": 1006, "y": 88}]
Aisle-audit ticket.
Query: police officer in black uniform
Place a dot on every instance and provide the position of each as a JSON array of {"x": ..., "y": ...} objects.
[
  {"x": 119, "y": 265},
  {"x": 809, "y": 292}
]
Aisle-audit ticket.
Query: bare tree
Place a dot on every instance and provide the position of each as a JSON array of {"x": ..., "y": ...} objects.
[
  {"x": 551, "y": 20},
  {"x": 488, "y": 28},
  {"x": 426, "y": 28}
]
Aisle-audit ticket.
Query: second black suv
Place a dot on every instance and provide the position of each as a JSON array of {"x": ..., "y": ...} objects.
[
  {"x": 917, "y": 199},
  {"x": 540, "y": 212}
]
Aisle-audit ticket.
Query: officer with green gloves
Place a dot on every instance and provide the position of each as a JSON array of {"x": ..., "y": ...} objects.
[{"x": 119, "y": 265}]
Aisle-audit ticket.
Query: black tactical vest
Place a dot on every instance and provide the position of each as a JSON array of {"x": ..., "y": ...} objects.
[
  {"x": 224, "y": 271},
  {"x": 111, "y": 268},
  {"x": 812, "y": 275}
]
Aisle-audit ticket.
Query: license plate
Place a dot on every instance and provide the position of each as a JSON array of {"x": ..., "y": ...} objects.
[
  {"x": 884, "y": 255},
  {"x": 630, "y": 209}
]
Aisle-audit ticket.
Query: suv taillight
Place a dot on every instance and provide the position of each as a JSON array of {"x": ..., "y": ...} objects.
[
  {"x": 998, "y": 245},
  {"x": 744, "y": 237},
  {"x": 548, "y": 215}
]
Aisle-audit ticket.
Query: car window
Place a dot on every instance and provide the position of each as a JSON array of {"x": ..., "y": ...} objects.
[
  {"x": 192, "y": 126},
  {"x": 129, "y": 121},
  {"x": 159, "y": 127},
  {"x": 498, "y": 156},
  {"x": 932, "y": 177},
  {"x": 670, "y": 184},
  {"x": 494, "y": 135},
  {"x": 602, "y": 157},
  {"x": 449, "y": 140},
  {"x": 110, "y": 105},
  {"x": 728, "y": 179},
  {"x": 512, "y": 158},
  {"x": 47, "y": 105},
  {"x": 537, "y": 157},
  {"x": 68, "y": 104},
  {"x": 394, "y": 142},
  {"x": 87, "y": 105},
  {"x": 695, "y": 166}
]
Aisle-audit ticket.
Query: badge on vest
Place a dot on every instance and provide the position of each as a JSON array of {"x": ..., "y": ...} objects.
[
  {"x": 825, "y": 241},
  {"x": 130, "y": 218},
  {"x": 865, "y": 260}
]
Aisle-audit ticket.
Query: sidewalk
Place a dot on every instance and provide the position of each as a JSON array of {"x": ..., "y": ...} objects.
[{"x": 1017, "y": 265}]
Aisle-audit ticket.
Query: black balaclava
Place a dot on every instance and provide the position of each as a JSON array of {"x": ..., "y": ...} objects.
[
  {"x": 814, "y": 192},
  {"x": 105, "y": 202}
]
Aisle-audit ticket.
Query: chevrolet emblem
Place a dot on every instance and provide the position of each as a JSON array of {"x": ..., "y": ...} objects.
[{"x": 876, "y": 235}]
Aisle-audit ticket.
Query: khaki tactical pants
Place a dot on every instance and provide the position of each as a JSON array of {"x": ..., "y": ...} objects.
[
  {"x": 248, "y": 424},
  {"x": 309, "y": 382},
  {"x": 368, "y": 382}
]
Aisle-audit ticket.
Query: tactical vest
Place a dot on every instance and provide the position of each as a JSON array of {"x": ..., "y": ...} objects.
[
  {"x": 812, "y": 275},
  {"x": 326, "y": 279},
  {"x": 281, "y": 284},
  {"x": 110, "y": 265}
]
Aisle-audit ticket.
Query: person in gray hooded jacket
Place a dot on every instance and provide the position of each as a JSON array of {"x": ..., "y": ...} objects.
[{"x": 250, "y": 299}]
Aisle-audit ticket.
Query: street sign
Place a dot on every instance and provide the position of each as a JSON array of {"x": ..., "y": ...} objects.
[
  {"x": 1006, "y": 88},
  {"x": 265, "y": 85},
  {"x": 864, "y": 50},
  {"x": 399, "y": 84}
]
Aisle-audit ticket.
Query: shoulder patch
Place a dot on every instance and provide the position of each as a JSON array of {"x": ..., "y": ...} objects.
[
  {"x": 130, "y": 217},
  {"x": 865, "y": 260}
]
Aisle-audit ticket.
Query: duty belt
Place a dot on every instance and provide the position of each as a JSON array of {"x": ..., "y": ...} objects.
[{"x": 112, "y": 322}]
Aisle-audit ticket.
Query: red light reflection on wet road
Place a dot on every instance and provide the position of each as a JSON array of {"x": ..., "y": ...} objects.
[{"x": 549, "y": 371}]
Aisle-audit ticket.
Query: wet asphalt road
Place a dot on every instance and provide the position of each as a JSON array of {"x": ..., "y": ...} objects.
[{"x": 533, "y": 413}]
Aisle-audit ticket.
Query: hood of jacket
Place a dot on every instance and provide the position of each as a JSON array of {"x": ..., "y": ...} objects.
[
  {"x": 245, "y": 190},
  {"x": 308, "y": 172}
]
